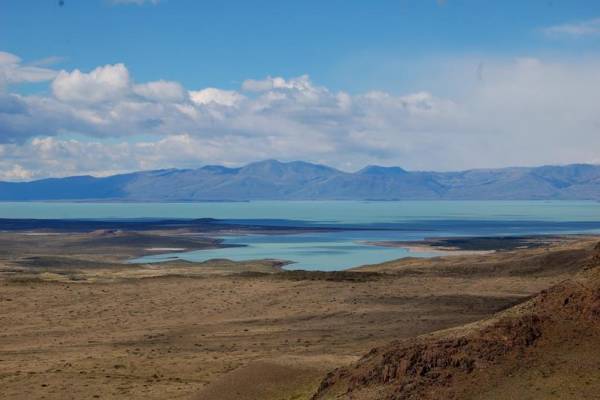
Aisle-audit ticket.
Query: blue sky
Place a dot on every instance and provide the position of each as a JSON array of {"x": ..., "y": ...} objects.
[
  {"x": 412, "y": 71},
  {"x": 222, "y": 43}
]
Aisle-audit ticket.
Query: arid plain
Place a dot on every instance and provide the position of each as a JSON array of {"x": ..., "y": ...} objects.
[{"x": 78, "y": 322}]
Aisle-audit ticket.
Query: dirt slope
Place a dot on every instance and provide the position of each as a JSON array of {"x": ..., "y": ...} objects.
[{"x": 547, "y": 347}]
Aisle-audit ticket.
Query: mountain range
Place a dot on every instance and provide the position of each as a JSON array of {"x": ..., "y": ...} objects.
[{"x": 298, "y": 180}]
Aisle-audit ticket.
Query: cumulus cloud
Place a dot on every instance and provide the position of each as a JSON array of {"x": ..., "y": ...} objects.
[
  {"x": 67, "y": 157},
  {"x": 270, "y": 83},
  {"x": 589, "y": 27},
  {"x": 161, "y": 91},
  {"x": 15, "y": 173},
  {"x": 523, "y": 111},
  {"x": 103, "y": 83},
  {"x": 228, "y": 98}
]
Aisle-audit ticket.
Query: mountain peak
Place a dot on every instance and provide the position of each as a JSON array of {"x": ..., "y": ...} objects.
[
  {"x": 279, "y": 167},
  {"x": 219, "y": 169},
  {"x": 379, "y": 170},
  {"x": 264, "y": 167}
]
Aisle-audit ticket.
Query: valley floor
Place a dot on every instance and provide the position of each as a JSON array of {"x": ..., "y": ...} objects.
[{"x": 76, "y": 323}]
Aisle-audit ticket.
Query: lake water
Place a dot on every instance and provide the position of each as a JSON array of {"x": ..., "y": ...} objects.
[
  {"x": 324, "y": 251},
  {"x": 360, "y": 221},
  {"x": 345, "y": 212}
]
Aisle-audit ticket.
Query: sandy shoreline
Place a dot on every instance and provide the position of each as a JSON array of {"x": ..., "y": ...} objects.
[{"x": 428, "y": 249}]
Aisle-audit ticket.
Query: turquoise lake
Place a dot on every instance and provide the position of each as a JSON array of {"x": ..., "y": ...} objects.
[
  {"x": 316, "y": 211},
  {"x": 357, "y": 222}
]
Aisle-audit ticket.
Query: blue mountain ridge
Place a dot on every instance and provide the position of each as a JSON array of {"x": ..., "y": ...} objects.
[{"x": 298, "y": 180}]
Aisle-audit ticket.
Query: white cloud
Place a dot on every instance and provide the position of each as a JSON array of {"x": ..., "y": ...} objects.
[
  {"x": 13, "y": 71},
  {"x": 8, "y": 58},
  {"x": 575, "y": 29},
  {"x": 66, "y": 157},
  {"x": 217, "y": 96},
  {"x": 103, "y": 83},
  {"x": 46, "y": 61},
  {"x": 160, "y": 91},
  {"x": 16, "y": 173},
  {"x": 524, "y": 111},
  {"x": 270, "y": 83}
]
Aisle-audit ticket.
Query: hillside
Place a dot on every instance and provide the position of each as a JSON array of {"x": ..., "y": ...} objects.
[
  {"x": 544, "y": 348},
  {"x": 274, "y": 180}
]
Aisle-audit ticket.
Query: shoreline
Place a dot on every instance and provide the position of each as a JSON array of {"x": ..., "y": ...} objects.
[
  {"x": 425, "y": 248},
  {"x": 479, "y": 244}
]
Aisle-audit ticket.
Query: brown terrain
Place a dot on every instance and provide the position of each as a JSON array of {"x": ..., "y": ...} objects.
[
  {"x": 547, "y": 347},
  {"x": 77, "y": 323}
]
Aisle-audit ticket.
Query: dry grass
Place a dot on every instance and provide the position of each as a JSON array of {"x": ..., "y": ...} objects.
[{"x": 224, "y": 330}]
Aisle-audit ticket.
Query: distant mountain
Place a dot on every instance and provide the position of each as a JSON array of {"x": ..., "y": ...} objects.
[{"x": 274, "y": 180}]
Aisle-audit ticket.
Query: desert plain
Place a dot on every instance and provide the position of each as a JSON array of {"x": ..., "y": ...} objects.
[{"x": 77, "y": 321}]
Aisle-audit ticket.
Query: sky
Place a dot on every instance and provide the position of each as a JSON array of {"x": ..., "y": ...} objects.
[{"x": 109, "y": 86}]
